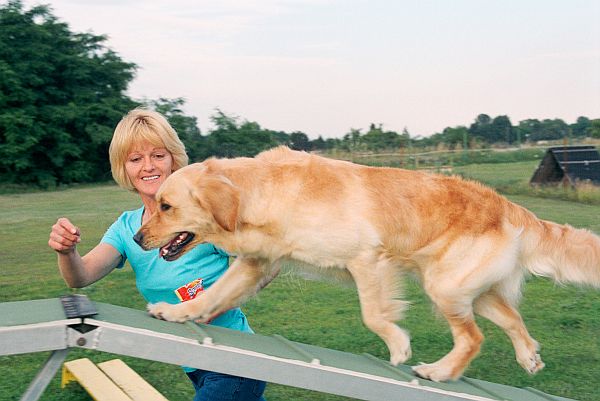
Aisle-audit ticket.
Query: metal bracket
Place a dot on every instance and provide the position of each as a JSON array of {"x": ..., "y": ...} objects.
[{"x": 88, "y": 340}]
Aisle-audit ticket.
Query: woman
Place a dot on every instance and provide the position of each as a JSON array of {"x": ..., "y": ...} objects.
[{"x": 144, "y": 151}]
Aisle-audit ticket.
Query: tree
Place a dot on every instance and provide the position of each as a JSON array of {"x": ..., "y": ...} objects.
[
  {"x": 580, "y": 128},
  {"x": 550, "y": 129},
  {"x": 61, "y": 95},
  {"x": 404, "y": 138},
  {"x": 502, "y": 130},
  {"x": 594, "y": 129},
  {"x": 332, "y": 143},
  {"x": 318, "y": 144},
  {"x": 299, "y": 141},
  {"x": 481, "y": 128},
  {"x": 280, "y": 137},
  {"x": 230, "y": 138},
  {"x": 185, "y": 126},
  {"x": 530, "y": 128},
  {"x": 352, "y": 141},
  {"x": 498, "y": 129},
  {"x": 455, "y": 137},
  {"x": 377, "y": 139}
]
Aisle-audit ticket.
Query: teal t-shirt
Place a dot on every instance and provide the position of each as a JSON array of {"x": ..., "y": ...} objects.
[{"x": 158, "y": 280}]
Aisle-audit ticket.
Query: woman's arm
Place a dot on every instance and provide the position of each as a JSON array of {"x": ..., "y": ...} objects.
[{"x": 79, "y": 271}]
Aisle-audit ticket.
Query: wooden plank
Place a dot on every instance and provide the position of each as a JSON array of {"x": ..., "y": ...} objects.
[
  {"x": 96, "y": 383},
  {"x": 30, "y": 312},
  {"x": 130, "y": 382}
]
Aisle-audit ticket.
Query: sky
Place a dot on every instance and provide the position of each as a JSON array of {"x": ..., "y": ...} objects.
[{"x": 323, "y": 67}]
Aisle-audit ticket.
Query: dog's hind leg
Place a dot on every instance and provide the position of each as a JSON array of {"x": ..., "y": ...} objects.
[
  {"x": 454, "y": 278},
  {"x": 452, "y": 289},
  {"x": 377, "y": 284},
  {"x": 497, "y": 309},
  {"x": 467, "y": 342}
]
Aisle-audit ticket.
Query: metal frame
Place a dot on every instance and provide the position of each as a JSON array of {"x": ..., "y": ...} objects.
[
  {"x": 42, "y": 379},
  {"x": 147, "y": 344}
]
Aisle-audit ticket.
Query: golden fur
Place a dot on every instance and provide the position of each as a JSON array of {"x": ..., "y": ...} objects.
[{"x": 469, "y": 246}]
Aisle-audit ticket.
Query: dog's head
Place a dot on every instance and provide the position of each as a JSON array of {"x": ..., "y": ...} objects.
[{"x": 194, "y": 206}]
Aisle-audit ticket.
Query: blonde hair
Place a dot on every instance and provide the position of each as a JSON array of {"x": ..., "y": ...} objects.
[{"x": 137, "y": 126}]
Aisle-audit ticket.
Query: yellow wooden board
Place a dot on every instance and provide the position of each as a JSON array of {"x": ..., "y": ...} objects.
[
  {"x": 133, "y": 384},
  {"x": 96, "y": 383}
]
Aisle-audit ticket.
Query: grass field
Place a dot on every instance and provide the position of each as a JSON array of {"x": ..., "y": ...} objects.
[
  {"x": 513, "y": 179},
  {"x": 565, "y": 320}
]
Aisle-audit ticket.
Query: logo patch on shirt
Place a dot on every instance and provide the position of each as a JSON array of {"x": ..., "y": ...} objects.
[{"x": 190, "y": 290}]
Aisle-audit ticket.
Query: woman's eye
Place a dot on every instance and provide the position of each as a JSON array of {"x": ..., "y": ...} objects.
[
  {"x": 159, "y": 155},
  {"x": 135, "y": 159}
]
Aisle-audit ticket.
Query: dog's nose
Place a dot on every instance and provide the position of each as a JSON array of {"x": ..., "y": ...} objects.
[{"x": 139, "y": 238}]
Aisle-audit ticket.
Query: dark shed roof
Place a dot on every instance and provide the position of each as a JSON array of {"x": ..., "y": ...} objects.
[{"x": 568, "y": 164}]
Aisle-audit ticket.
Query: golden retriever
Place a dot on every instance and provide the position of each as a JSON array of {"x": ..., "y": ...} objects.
[{"x": 469, "y": 246}]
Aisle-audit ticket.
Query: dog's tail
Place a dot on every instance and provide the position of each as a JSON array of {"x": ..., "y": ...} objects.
[{"x": 561, "y": 252}]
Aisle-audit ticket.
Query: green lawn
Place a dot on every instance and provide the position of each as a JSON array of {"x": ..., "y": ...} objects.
[
  {"x": 513, "y": 178},
  {"x": 565, "y": 320},
  {"x": 499, "y": 174}
]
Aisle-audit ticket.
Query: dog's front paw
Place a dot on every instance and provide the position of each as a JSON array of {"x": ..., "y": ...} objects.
[
  {"x": 400, "y": 351},
  {"x": 165, "y": 311}
]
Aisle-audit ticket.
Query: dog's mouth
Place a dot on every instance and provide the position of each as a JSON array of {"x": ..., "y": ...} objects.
[{"x": 175, "y": 247}]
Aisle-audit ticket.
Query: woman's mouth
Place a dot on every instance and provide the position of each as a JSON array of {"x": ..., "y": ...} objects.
[{"x": 151, "y": 178}]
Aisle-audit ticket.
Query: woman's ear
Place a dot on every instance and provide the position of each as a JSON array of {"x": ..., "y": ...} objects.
[{"x": 218, "y": 195}]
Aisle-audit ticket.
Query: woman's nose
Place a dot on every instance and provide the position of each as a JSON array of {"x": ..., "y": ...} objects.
[{"x": 148, "y": 164}]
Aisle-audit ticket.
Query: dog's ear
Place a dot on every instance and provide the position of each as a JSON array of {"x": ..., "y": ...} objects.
[{"x": 218, "y": 195}]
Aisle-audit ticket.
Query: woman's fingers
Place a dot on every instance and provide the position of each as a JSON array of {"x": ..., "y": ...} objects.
[{"x": 64, "y": 235}]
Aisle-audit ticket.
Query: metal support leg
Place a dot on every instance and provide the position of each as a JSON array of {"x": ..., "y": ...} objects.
[{"x": 45, "y": 375}]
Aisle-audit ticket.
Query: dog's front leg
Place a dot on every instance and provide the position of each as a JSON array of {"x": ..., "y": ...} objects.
[{"x": 244, "y": 278}]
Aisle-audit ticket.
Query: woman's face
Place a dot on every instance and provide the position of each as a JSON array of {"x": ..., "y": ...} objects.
[{"x": 148, "y": 166}]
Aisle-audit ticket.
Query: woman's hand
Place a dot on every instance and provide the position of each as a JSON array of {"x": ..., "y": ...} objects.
[{"x": 64, "y": 236}]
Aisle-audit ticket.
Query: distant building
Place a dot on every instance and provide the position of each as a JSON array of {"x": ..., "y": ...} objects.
[{"x": 568, "y": 165}]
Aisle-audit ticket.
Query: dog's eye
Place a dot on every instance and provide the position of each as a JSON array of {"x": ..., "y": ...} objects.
[{"x": 164, "y": 207}]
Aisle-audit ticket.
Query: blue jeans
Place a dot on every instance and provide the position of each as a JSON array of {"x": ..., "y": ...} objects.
[{"x": 213, "y": 386}]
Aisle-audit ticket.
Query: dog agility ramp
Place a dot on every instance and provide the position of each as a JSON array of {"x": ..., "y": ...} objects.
[{"x": 43, "y": 325}]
